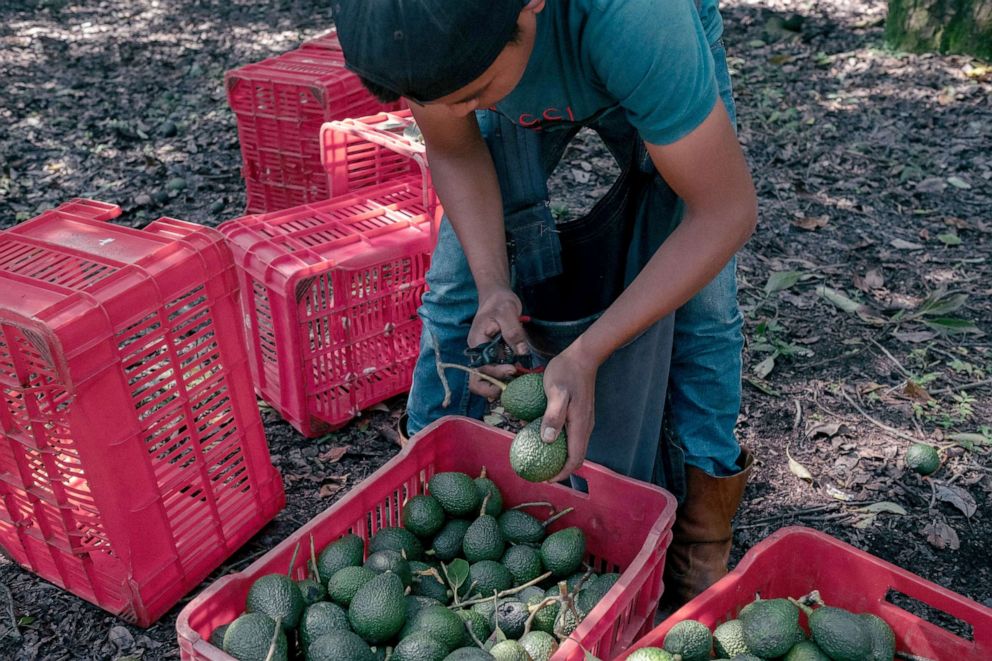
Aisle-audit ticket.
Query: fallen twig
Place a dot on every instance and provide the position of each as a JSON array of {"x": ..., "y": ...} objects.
[
  {"x": 963, "y": 386},
  {"x": 801, "y": 517},
  {"x": 880, "y": 425},
  {"x": 8, "y": 607},
  {"x": 902, "y": 370}
]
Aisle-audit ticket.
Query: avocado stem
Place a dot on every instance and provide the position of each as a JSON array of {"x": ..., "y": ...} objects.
[
  {"x": 803, "y": 607},
  {"x": 547, "y": 601},
  {"x": 454, "y": 588},
  {"x": 585, "y": 577},
  {"x": 485, "y": 502},
  {"x": 541, "y": 503},
  {"x": 313, "y": 560},
  {"x": 475, "y": 638},
  {"x": 485, "y": 377},
  {"x": 504, "y": 593},
  {"x": 557, "y": 516},
  {"x": 292, "y": 561},
  {"x": 275, "y": 637}
]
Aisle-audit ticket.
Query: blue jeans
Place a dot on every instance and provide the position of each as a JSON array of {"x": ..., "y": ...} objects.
[{"x": 703, "y": 381}]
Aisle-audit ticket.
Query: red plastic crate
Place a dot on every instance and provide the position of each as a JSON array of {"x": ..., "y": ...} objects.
[
  {"x": 328, "y": 41},
  {"x": 280, "y": 104},
  {"x": 627, "y": 525},
  {"x": 370, "y": 151},
  {"x": 795, "y": 560},
  {"x": 330, "y": 290},
  {"x": 132, "y": 457}
]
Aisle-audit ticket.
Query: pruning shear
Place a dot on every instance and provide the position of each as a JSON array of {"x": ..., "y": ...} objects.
[{"x": 497, "y": 352}]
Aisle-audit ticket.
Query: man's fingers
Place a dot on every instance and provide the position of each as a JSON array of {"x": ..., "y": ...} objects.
[
  {"x": 578, "y": 426},
  {"x": 483, "y": 388},
  {"x": 571, "y": 466},
  {"x": 514, "y": 335},
  {"x": 484, "y": 330},
  {"x": 554, "y": 415},
  {"x": 486, "y": 388}
]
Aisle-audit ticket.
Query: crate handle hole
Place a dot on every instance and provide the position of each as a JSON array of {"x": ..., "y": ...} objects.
[{"x": 933, "y": 615}]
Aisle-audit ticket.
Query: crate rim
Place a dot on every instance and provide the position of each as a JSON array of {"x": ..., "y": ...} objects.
[
  {"x": 657, "y": 532},
  {"x": 964, "y": 608},
  {"x": 752, "y": 555}
]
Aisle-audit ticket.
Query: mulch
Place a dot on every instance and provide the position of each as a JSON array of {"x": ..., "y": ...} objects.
[{"x": 865, "y": 289}]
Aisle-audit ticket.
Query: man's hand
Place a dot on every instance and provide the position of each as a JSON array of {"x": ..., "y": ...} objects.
[
  {"x": 570, "y": 384},
  {"x": 499, "y": 312}
]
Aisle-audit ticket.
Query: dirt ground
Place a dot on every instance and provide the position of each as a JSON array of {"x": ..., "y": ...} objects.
[{"x": 865, "y": 289}]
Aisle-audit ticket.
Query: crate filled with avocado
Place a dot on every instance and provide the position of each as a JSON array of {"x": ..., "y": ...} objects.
[
  {"x": 448, "y": 553},
  {"x": 802, "y": 595}
]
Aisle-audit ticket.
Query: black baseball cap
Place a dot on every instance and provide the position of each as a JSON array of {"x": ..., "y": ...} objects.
[{"x": 424, "y": 49}]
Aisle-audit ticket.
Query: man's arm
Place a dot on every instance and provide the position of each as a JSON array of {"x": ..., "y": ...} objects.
[
  {"x": 465, "y": 180},
  {"x": 707, "y": 169}
]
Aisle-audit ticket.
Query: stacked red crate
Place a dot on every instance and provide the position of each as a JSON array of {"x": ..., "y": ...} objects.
[
  {"x": 132, "y": 456},
  {"x": 280, "y": 104},
  {"x": 330, "y": 289}
]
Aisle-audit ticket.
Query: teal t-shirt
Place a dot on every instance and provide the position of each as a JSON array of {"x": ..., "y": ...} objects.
[{"x": 650, "y": 57}]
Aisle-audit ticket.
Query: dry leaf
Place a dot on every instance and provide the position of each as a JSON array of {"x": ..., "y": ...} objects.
[
  {"x": 915, "y": 392},
  {"x": 391, "y": 434},
  {"x": 765, "y": 367},
  {"x": 931, "y": 185},
  {"x": 333, "y": 485},
  {"x": 900, "y": 244},
  {"x": 915, "y": 337},
  {"x": 334, "y": 455},
  {"x": 958, "y": 497},
  {"x": 942, "y": 536},
  {"x": 886, "y": 506},
  {"x": 957, "y": 223},
  {"x": 811, "y": 224},
  {"x": 873, "y": 280},
  {"x": 828, "y": 429},
  {"x": 838, "y": 299},
  {"x": 799, "y": 470},
  {"x": 797, "y": 300},
  {"x": 121, "y": 638},
  {"x": 836, "y": 493},
  {"x": 865, "y": 521}
]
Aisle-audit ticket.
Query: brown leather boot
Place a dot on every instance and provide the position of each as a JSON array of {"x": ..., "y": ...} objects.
[{"x": 701, "y": 535}]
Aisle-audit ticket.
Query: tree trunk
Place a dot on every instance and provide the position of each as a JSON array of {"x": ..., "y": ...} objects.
[{"x": 946, "y": 26}]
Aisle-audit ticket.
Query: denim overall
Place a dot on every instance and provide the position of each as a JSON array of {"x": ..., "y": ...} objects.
[{"x": 567, "y": 274}]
